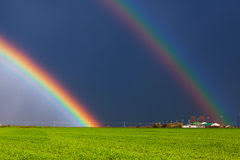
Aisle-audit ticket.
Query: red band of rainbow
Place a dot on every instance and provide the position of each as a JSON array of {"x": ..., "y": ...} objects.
[
  {"x": 48, "y": 83},
  {"x": 128, "y": 16}
]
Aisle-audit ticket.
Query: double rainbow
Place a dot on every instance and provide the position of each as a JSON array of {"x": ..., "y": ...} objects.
[
  {"x": 47, "y": 83},
  {"x": 157, "y": 46}
]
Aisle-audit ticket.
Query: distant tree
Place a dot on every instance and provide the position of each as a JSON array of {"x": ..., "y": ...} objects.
[
  {"x": 157, "y": 125},
  {"x": 193, "y": 119},
  {"x": 174, "y": 125},
  {"x": 222, "y": 123},
  {"x": 201, "y": 119}
]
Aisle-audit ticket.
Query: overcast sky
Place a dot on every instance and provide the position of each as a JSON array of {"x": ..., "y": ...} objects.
[{"x": 106, "y": 67}]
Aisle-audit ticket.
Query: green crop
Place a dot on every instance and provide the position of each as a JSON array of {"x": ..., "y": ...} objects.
[{"x": 119, "y": 143}]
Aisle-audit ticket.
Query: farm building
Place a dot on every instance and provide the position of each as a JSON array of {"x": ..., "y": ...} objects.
[
  {"x": 215, "y": 125},
  {"x": 201, "y": 125},
  {"x": 196, "y": 123},
  {"x": 208, "y": 125},
  {"x": 189, "y": 126}
]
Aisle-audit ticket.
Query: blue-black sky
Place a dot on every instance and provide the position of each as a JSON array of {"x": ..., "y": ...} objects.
[{"x": 103, "y": 64}]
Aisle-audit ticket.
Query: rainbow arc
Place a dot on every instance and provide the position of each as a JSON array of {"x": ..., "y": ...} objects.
[
  {"x": 128, "y": 15},
  {"x": 46, "y": 82}
]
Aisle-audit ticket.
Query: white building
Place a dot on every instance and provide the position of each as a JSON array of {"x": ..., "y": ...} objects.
[
  {"x": 189, "y": 126},
  {"x": 215, "y": 125}
]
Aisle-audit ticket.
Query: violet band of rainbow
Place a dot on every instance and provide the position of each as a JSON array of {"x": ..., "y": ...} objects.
[
  {"x": 48, "y": 83},
  {"x": 157, "y": 46}
]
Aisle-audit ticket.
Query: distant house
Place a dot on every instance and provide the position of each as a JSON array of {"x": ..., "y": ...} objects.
[
  {"x": 215, "y": 125},
  {"x": 199, "y": 125},
  {"x": 202, "y": 125},
  {"x": 208, "y": 125},
  {"x": 189, "y": 126},
  {"x": 196, "y": 123},
  {"x": 228, "y": 126}
]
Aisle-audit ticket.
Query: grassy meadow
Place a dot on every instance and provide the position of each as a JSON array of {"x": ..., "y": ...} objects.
[{"x": 119, "y": 143}]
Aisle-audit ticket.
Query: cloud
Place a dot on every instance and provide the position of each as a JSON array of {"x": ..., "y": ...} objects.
[{"x": 20, "y": 102}]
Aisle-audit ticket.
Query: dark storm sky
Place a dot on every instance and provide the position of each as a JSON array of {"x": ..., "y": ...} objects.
[{"x": 103, "y": 64}]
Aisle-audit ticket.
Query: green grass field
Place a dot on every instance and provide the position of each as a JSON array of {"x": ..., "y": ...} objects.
[{"x": 119, "y": 143}]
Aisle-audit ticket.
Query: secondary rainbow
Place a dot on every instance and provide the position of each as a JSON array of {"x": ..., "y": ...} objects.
[
  {"x": 53, "y": 88},
  {"x": 169, "y": 59}
]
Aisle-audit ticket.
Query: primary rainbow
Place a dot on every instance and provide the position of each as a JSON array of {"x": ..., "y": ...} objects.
[
  {"x": 48, "y": 83},
  {"x": 168, "y": 58}
]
